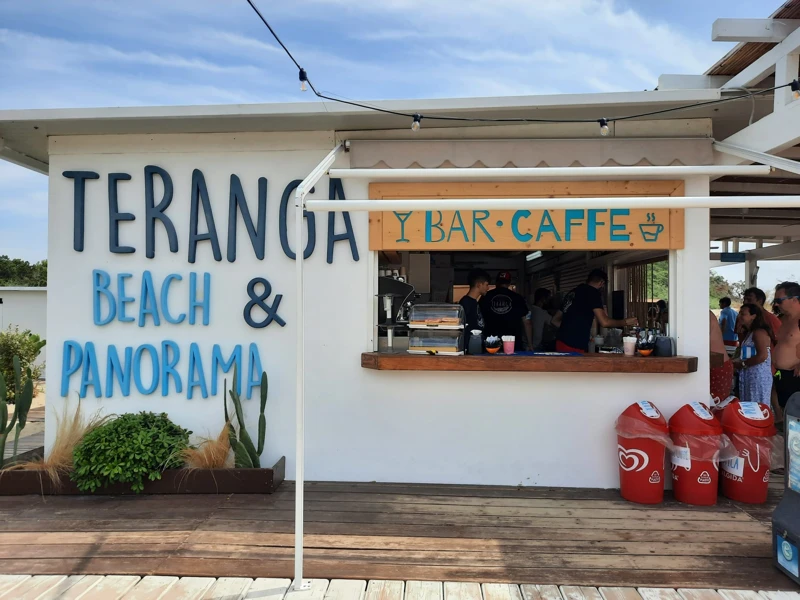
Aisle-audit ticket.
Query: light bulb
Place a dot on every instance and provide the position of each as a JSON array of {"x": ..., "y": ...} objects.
[
  {"x": 796, "y": 89},
  {"x": 303, "y": 86},
  {"x": 604, "y": 131},
  {"x": 303, "y": 76},
  {"x": 415, "y": 124}
]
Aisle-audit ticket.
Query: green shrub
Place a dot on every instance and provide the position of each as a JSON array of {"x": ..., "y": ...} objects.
[
  {"x": 24, "y": 344},
  {"x": 133, "y": 448}
]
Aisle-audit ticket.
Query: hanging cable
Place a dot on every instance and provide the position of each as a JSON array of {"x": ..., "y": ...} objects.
[{"x": 417, "y": 117}]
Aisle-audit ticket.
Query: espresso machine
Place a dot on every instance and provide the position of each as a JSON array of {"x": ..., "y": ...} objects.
[{"x": 395, "y": 299}]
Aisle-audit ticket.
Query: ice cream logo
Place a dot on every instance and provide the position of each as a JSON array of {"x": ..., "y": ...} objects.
[
  {"x": 632, "y": 460},
  {"x": 655, "y": 477},
  {"x": 704, "y": 478}
]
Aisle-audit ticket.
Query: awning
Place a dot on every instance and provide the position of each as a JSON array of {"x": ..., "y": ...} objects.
[{"x": 432, "y": 154}]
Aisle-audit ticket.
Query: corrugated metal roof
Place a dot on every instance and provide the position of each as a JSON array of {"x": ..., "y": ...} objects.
[{"x": 743, "y": 55}]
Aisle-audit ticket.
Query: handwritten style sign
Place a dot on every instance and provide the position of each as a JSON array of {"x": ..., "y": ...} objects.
[
  {"x": 553, "y": 229},
  {"x": 572, "y": 229}
]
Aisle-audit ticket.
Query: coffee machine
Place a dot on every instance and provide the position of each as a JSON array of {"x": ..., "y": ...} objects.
[{"x": 395, "y": 299}]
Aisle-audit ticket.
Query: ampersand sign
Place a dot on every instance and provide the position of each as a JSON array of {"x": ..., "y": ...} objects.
[{"x": 271, "y": 310}]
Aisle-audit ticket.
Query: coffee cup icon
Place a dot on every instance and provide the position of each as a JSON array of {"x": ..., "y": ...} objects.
[{"x": 651, "y": 231}]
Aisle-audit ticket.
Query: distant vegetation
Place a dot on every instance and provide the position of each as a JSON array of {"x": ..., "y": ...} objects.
[{"x": 15, "y": 272}]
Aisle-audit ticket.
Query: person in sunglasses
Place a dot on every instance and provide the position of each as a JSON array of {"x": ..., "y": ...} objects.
[{"x": 787, "y": 348}]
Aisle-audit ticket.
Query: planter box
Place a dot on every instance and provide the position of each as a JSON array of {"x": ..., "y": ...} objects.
[{"x": 173, "y": 481}]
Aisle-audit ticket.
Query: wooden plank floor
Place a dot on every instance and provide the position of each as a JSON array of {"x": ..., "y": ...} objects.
[
  {"x": 126, "y": 587},
  {"x": 544, "y": 537}
]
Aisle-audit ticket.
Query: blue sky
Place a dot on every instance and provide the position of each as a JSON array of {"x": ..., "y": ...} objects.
[{"x": 79, "y": 53}]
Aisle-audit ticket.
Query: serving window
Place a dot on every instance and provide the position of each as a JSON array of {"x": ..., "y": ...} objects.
[{"x": 555, "y": 249}]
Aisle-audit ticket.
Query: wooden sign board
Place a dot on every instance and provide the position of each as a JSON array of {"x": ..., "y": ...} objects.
[{"x": 551, "y": 229}]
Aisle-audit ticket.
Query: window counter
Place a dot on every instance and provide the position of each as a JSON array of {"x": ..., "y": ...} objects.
[{"x": 589, "y": 363}]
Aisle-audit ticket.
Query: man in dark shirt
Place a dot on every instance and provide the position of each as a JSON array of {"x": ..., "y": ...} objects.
[
  {"x": 478, "y": 285},
  {"x": 505, "y": 312},
  {"x": 580, "y": 308}
]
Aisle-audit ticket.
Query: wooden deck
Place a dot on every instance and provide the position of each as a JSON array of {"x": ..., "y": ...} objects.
[
  {"x": 129, "y": 587},
  {"x": 543, "y": 536}
]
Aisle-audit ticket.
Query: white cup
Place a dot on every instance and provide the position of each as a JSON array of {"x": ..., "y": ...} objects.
[{"x": 629, "y": 346}]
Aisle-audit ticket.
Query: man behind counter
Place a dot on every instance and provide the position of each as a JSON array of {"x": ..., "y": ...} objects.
[
  {"x": 478, "y": 286},
  {"x": 505, "y": 312},
  {"x": 581, "y": 307}
]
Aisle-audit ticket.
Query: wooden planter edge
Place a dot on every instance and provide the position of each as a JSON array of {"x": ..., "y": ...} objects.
[{"x": 173, "y": 481}]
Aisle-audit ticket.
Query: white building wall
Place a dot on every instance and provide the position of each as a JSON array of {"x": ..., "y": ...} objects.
[
  {"x": 361, "y": 425},
  {"x": 25, "y": 308}
]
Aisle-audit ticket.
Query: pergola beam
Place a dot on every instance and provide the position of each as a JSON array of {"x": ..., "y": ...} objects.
[
  {"x": 732, "y": 187},
  {"x": 775, "y": 132},
  {"x": 753, "y": 30},
  {"x": 765, "y": 64},
  {"x": 778, "y": 251}
]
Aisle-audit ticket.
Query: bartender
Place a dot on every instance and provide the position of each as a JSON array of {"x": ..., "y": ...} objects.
[
  {"x": 478, "y": 286},
  {"x": 580, "y": 308},
  {"x": 505, "y": 312}
]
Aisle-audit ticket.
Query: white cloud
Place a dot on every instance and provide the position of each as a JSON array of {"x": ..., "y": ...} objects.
[{"x": 150, "y": 52}]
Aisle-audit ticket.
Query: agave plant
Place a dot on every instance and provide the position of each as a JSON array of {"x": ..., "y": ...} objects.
[
  {"x": 23, "y": 400},
  {"x": 245, "y": 453}
]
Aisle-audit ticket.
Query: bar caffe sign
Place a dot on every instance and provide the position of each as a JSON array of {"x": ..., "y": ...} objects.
[
  {"x": 552, "y": 229},
  {"x": 574, "y": 229}
]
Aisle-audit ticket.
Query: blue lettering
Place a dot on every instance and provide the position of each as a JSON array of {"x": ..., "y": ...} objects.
[
  {"x": 614, "y": 227},
  {"x": 194, "y": 303},
  {"x": 257, "y": 233},
  {"x": 403, "y": 217},
  {"x": 311, "y": 223},
  {"x": 115, "y": 216},
  {"x": 460, "y": 227},
  {"x": 200, "y": 196},
  {"x": 137, "y": 369},
  {"x": 547, "y": 226},
  {"x": 100, "y": 282},
  {"x": 593, "y": 223},
  {"x": 570, "y": 216},
  {"x": 165, "y": 300},
  {"x": 122, "y": 299},
  {"x": 254, "y": 371},
  {"x": 79, "y": 201},
  {"x": 217, "y": 362},
  {"x": 90, "y": 374},
  {"x": 477, "y": 222},
  {"x": 168, "y": 367},
  {"x": 429, "y": 225},
  {"x": 71, "y": 360},
  {"x": 335, "y": 189},
  {"x": 115, "y": 369},
  {"x": 520, "y": 214},
  {"x": 196, "y": 367},
  {"x": 149, "y": 304}
]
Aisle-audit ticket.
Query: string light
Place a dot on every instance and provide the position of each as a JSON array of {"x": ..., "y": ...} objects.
[{"x": 305, "y": 83}]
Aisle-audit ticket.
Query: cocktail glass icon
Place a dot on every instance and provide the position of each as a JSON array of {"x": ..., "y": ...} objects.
[{"x": 651, "y": 230}]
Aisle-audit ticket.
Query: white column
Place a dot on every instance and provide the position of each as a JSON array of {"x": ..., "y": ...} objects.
[
  {"x": 690, "y": 302},
  {"x": 786, "y": 69},
  {"x": 674, "y": 316},
  {"x": 751, "y": 271}
]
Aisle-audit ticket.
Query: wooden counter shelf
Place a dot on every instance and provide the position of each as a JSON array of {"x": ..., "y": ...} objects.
[{"x": 591, "y": 363}]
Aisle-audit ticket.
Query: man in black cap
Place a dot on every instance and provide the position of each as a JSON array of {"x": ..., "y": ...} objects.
[{"x": 505, "y": 311}]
